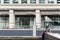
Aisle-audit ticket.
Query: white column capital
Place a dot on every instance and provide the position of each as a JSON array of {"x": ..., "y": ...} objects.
[
  {"x": 37, "y": 1},
  {"x": 28, "y": 1},
  {"x": 10, "y": 10},
  {"x": 46, "y": 1},
  {"x": 2, "y": 1},
  {"x": 38, "y": 10},
  {"x": 19, "y": 1},
  {"x": 11, "y": 1}
]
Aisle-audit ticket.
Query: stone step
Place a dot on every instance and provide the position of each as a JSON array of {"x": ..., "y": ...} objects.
[{"x": 20, "y": 38}]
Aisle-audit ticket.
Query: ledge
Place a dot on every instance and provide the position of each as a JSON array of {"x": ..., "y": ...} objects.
[{"x": 52, "y": 36}]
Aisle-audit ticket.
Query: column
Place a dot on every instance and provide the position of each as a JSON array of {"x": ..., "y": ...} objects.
[
  {"x": 55, "y": 1},
  {"x": 46, "y": 1},
  {"x": 2, "y": 1},
  {"x": 37, "y": 1},
  {"x": 11, "y": 19},
  {"x": 19, "y": 1},
  {"x": 11, "y": 1},
  {"x": 38, "y": 19},
  {"x": 28, "y": 1},
  {"x": 34, "y": 28}
]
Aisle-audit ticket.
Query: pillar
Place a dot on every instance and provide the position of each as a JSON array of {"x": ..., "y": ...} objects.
[
  {"x": 46, "y": 1},
  {"x": 37, "y": 1},
  {"x": 19, "y": 1},
  {"x": 11, "y": 19},
  {"x": 55, "y": 1},
  {"x": 2, "y": 1},
  {"x": 11, "y": 1},
  {"x": 38, "y": 19},
  {"x": 28, "y": 1}
]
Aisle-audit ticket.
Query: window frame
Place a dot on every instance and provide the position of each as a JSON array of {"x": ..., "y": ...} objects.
[
  {"x": 15, "y": 2},
  {"x": 6, "y": 1},
  {"x": 24, "y": 2},
  {"x": 33, "y": 2},
  {"x": 50, "y": 1},
  {"x": 42, "y": 1},
  {"x": 58, "y": 1}
]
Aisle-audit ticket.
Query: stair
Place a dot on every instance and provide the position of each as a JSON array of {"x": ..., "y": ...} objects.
[{"x": 20, "y": 38}]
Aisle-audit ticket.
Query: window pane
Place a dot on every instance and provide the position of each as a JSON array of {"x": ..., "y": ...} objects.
[
  {"x": 58, "y": 1},
  {"x": 6, "y": 1},
  {"x": 2, "y": 25},
  {"x": 23, "y": 1},
  {"x": 31, "y": 22},
  {"x": 24, "y": 22},
  {"x": 32, "y": 1},
  {"x": 50, "y": 1},
  {"x": 41, "y": 1},
  {"x": 15, "y": 1},
  {"x": 0, "y": 1},
  {"x": 17, "y": 19},
  {"x": 17, "y": 25},
  {"x": 4, "y": 22},
  {"x": 2, "y": 19}
]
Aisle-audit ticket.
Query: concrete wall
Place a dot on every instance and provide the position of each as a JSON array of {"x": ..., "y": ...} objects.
[
  {"x": 31, "y": 12},
  {"x": 30, "y": 7},
  {"x": 50, "y": 37},
  {"x": 23, "y": 32}
]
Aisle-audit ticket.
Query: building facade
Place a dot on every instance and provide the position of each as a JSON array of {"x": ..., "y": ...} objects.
[
  {"x": 27, "y": 17},
  {"x": 29, "y": 14}
]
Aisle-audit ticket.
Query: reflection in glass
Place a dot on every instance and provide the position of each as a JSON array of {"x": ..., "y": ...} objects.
[
  {"x": 4, "y": 22},
  {"x": 42, "y": 1},
  {"x": 15, "y": 1},
  {"x": 6, "y": 1},
  {"x": 32, "y": 1},
  {"x": 24, "y": 1},
  {"x": 24, "y": 22}
]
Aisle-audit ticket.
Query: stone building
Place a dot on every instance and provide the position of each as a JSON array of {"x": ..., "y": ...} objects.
[{"x": 29, "y": 14}]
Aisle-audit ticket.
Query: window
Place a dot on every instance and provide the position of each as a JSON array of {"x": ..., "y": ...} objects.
[
  {"x": 50, "y": 1},
  {"x": 4, "y": 22},
  {"x": 58, "y": 1},
  {"x": 24, "y": 22},
  {"x": 55, "y": 24},
  {"x": 15, "y": 1},
  {"x": 32, "y": 1},
  {"x": 41, "y": 1},
  {"x": 6, "y": 1},
  {"x": 24, "y": 1}
]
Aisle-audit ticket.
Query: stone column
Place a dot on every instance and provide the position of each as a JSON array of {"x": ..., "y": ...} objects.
[
  {"x": 37, "y": 1},
  {"x": 28, "y": 1},
  {"x": 38, "y": 19},
  {"x": 55, "y": 1},
  {"x": 11, "y": 19},
  {"x": 2, "y": 1},
  {"x": 46, "y": 1},
  {"x": 19, "y": 1},
  {"x": 11, "y": 1}
]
